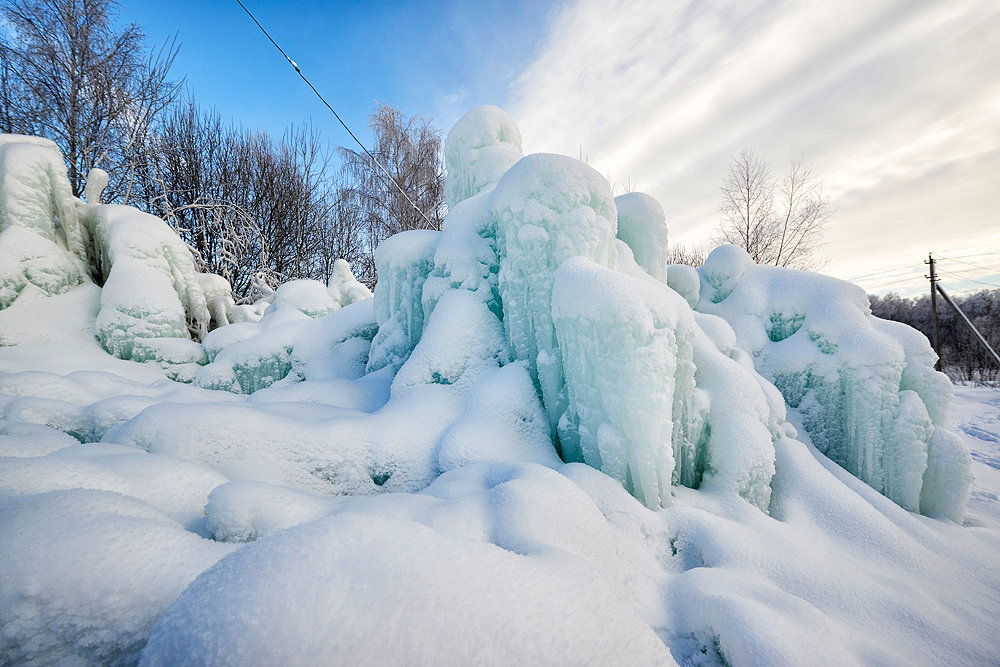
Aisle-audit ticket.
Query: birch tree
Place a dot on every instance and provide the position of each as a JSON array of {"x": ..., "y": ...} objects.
[
  {"x": 70, "y": 74},
  {"x": 778, "y": 221}
]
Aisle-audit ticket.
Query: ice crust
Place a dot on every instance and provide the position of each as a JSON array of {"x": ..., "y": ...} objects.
[
  {"x": 151, "y": 288},
  {"x": 613, "y": 349},
  {"x": 482, "y": 145},
  {"x": 380, "y": 480},
  {"x": 865, "y": 388},
  {"x": 642, "y": 225},
  {"x": 42, "y": 242}
]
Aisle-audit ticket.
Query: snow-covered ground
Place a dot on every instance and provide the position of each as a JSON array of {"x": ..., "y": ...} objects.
[
  {"x": 534, "y": 445},
  {"x": 102, "y": 544},
  {"x": 975, "y": 416}
]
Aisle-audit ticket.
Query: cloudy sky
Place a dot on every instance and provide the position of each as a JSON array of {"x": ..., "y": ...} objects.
[{"x": 896, "y": 104}]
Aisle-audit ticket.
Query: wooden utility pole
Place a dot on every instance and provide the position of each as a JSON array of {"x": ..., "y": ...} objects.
[
  {"x": 937, "y": 330},
  {"x": 968, "y": 322}
]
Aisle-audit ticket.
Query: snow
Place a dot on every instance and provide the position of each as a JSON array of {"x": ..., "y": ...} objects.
[
  {"x": 403, "y": 262},
  {"x": 151, "y": 288},
  {"x": 865, "y": 388},
  {"x": 379, "y": 479},
  {"x": 42, "y": 244},
  {"x": 642, "y": 225},
  {"x": 482, "y": 145}
]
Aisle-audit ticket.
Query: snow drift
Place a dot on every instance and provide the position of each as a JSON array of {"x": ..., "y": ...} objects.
[{"x": 537, "y": 443}]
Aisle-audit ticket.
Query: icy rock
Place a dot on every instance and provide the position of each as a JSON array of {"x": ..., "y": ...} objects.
[
  {"x": 866, "y": 389},
  {"x": 643, "y": 226},
  {"x": 722, "y": 270},
  {"x": 35, "y": 193},
  {"x": 168, "y": 350},
  {"x": 288, "y": 346},
  {"x": 462, "y": 340},
  {"x": 30, "y": 259},
  {"x": 403, "y": 262},
  {"x": 218, "y": 298},
  {"x": 466, "y": 256},
  {"x": 151, "y": 287},
  {"x": 652, "y": 401},
  {"x": 41, "y": 240},
  {"x": 97, "y": 180},
  {"x": 308, "y": 297},
  {"x": 343, "y": 287},
  {"x": 548, "y": 209},
  {"x": 482, "y": 145},
  {"x": 685, "y": 281},
  {"x": 502, "y": 421}
]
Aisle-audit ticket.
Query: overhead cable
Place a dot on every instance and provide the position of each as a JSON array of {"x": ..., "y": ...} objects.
[{"x": 341, "y": 120}]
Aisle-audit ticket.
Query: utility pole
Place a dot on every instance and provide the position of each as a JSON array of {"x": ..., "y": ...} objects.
[
  {"x": 968, "y": 322},
  {"x": 937, "y": 330}
]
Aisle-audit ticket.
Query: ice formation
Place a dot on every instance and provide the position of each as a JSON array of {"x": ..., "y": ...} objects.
[
  {"x": 642, "y": 225},
  {"x": 42, "y": 243},
  {"x": 598, "y": 447},
  {"x": 52, "y": 241},
  {"x": 865, "y": 388}
]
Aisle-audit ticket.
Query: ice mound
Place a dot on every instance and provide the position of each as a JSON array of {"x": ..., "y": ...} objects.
[
  {"x": 51, "y": 242},
  {"x": 87, "y": 573},
  {"x": 642, "y": 225},
  {"x": 297, "y": 339},
  {"x": 343, "y": 287},
  {"x": 482, "y": 145},
  {"x": 392, "y": 580},
  {"x": 380, "y": 480},
  {"x": 866, "y": 389},
  {"x": 610, "y": 339},
  {"x": 151, "y": 287},
  {"x": 403, "y": 261},
  {"x": 507, "y": 243},
  {"x": 42, "y": 242},
  {"x": 652, "y": 400}
]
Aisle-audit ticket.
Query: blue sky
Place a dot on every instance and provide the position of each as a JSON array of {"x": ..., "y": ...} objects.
[
  {"x": 437, "y": 59},
  {"x": 895, "y": 103}
]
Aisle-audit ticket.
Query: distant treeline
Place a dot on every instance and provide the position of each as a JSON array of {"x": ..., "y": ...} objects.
[{"x": 963, "y": 357}]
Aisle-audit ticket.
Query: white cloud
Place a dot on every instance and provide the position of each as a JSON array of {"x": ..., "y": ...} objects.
[{"x": 896, "y": 103}]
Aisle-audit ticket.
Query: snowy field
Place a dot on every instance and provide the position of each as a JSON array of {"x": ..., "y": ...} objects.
[
  {"x": 975, "y": 416},
  {"x": 543, "y": 562},
  {"x": 535, "y": 444}
]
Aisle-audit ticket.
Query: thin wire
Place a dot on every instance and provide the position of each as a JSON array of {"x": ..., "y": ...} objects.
[
  {"x": 978, "y": 254},
  {"x": 977, "y": 266},
  {"x": 895, "y": 282},
  {"x": 891, "y": 269},
  {"x": 337, "y": 116},
  {"x": 970, "y": 280}
]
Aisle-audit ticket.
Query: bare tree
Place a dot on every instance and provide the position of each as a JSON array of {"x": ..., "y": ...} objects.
[
  {"x": 198, "y": 181},
  {"x": 409, "y": 149},
  {"x": 254, "y": 210},
  {"x": 72, "y": 75},
  {"x": 777, "y": 221},
  {"x": 679, "y": 253}
]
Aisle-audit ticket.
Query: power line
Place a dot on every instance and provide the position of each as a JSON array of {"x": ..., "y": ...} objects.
[
  {"x": 896, "y": 282},
  {"x": 970, "y": 280},
  {"x": 978, "y": 254},
  {"x": 976, "y": 266},
  {"x": 337, "y": 116},
  {"x": 872, "y": 274}
]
